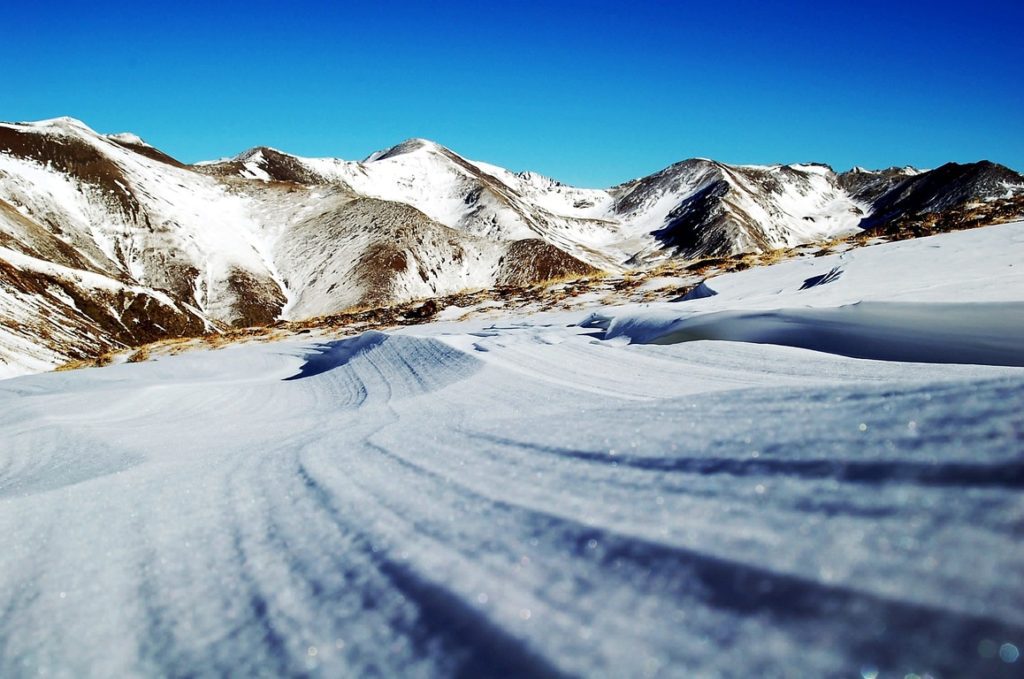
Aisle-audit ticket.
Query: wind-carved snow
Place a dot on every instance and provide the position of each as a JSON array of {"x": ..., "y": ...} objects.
[
  {"x": 530, "y": 497},
  {"x": 955, "y": 298}
]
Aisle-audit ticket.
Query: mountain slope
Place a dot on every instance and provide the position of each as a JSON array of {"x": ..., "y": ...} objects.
[
  {"x": 91, "y": 222},
  {"x": 701, "y": 207},
  {"x": 106, "y": 241},
  {"x": 366, "y": 251},
  {"x": 948, "y": 187}
]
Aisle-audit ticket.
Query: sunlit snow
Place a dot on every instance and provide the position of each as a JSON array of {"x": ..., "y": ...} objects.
[{"x": 539, "y": 496}]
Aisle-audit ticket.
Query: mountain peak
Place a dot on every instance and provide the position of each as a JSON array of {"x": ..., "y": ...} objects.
[
  {"x": 62, "y": 123},
  {"x": 411, "y": 145},
  {"x": 257, "y": 152}
]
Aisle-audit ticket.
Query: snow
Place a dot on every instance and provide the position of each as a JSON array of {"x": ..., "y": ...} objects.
[
  {"x": 801, "y": 213},
  {"x": 217, "y": 161},
  {"x": 454, "y": 313},
  {"x": 532, "y": 496},
  {"x": 128, "y": 138},
  {"x": 62, "y": 124},
  {"x": 426, "y": 178},
  {"x": 252, "y": 170},
  {"x": 662, "y": 282},
  {"x": 81, "y": 278},
  {"x": 953, "y": 298},
  {"x": 979, "y": 265},
  {"x": 49, "y": 195}
]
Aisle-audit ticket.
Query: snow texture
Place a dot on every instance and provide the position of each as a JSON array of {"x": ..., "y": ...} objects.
[
  {"x": 533, "y": 497},
  {"x": 956, "y": 298}
]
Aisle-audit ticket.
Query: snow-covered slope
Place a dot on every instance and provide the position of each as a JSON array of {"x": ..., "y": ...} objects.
[
  {"x": 183, "y": 249},
  {"x": 701, "y": 207},
  {"x": 105, "y": 241},
  {"x": 532, "y": 497},
  {"x": 953, "y": 298},
  {"x": 478, "y": 199},
  {"x": 732, "y": 209},
  {"x": 694, "y": 208}
]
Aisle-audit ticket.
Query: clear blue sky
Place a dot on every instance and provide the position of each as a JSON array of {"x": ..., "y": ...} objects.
[{"x": 592, "y": 93}]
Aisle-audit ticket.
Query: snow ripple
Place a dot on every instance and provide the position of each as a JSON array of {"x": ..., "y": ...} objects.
[{"x": 555, "y": 506}]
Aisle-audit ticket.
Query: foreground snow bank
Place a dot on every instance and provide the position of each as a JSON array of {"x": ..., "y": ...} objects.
[{"x": 511, "y": 500}]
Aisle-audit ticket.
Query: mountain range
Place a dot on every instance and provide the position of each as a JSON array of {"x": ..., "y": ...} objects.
[{"x": 106, "y": 241}]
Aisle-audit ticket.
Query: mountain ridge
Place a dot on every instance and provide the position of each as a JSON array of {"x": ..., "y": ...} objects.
[{"x": 106, "y": 240}]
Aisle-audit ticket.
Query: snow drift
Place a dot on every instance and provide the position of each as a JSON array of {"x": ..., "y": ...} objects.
[
  {"x": 517, "y": 497},
  {"x": 947, "y": 299}
]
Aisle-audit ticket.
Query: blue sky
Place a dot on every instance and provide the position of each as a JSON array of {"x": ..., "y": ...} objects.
[{"x": 592, "y": 93}]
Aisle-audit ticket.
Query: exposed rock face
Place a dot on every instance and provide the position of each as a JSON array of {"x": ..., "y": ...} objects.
[
  {"x": 74, "y": 156},
  {"x": 948, "y": 187},
  {"x": 867, "y": 186},
  {"x": 705, "y": 208},
  {"x": 267, "y": 164},
  {"x": 107, "y": 241},
  {"x": 531, "y": 260},
  {"x": 702, "y": 225}
]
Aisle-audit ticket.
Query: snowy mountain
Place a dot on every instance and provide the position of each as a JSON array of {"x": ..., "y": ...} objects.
[
  {"x": 106, "y": 241},
  {"x": 945, "y": 188},
  {"x": 702, "y": 207}
]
